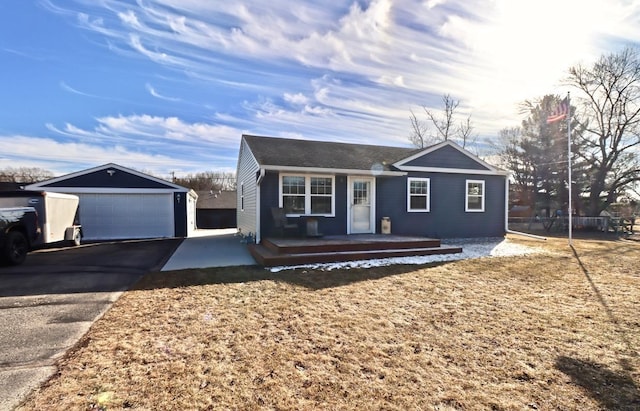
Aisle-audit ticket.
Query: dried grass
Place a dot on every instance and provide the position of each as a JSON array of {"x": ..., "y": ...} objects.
[{"x": 552, "y": 331}]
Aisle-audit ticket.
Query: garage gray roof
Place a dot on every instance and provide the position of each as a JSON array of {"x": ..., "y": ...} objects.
[
  {"x": 286, "y": 152},
  {"x": 108, "y": 177}
]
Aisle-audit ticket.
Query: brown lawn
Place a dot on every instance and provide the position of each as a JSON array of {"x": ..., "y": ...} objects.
[{"x": 552, "y": 331}]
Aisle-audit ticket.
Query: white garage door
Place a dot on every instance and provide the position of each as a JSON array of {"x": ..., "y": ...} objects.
[{"x": 121, "y": 216}]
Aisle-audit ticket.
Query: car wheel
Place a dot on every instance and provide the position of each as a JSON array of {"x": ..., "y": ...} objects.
[{"x": 16, "y": 248}]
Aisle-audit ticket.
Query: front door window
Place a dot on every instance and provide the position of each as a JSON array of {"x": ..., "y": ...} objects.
[{"x": 361, "y": 205}]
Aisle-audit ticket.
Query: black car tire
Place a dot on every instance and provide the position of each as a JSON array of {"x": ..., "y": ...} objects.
[{"x": 16, "y": 248}]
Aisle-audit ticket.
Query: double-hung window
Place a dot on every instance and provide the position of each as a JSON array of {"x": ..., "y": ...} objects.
[
  {"x": 474, "y": 199},
  {"x": 418, "y": 193},
  {"x": 307, "y": 195}
]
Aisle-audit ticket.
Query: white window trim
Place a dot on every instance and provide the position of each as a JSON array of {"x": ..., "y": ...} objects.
[
  {"x": 418, "y": 210},
  {"x": 307, "y": 193},
  {"x": 466, "y": 196}
]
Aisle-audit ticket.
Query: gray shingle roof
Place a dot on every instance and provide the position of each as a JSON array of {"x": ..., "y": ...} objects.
[
  {"x": 216, "y": 200},
  {"x": 275, "y": 151}
]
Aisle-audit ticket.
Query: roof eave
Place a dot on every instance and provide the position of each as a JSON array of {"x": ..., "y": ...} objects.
[
  {"x": 454, "y": 170},
  {"x": 323, "y": 170}
]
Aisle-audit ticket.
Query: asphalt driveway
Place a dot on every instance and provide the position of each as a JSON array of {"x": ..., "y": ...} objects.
[{"x": 51, "y": 300}]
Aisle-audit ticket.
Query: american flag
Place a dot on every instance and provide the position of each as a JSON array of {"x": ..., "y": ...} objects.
[{"x": 560, "y": 113}]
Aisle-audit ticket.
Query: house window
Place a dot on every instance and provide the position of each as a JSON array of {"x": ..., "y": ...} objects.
[
  {"x": 418, "y": 194},
  {"x": 321, "y": 195},
  {"x": 475, "y": 196},
  {"x": 242, "y": 196},
  {"x": 307, "y": 195},
  {"x": 293, "y": 194}
]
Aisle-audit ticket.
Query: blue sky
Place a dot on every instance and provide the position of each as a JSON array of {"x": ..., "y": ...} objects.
[{"x": 168, "y": 86}]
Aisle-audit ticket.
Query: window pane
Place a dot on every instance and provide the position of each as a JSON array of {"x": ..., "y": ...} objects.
[
  {"x": 474, "y": 203},
  {"x": 293, "y": 204},
  {"x": 475, "y": 189},
  {"x": 321, "y": 185},
  {"x": 293, "y": 185},
  {"x": 361, "y": 192},
  {"x": 418, "y": 187},
  {"x": 321, "y": 205},
  {"x": 418, "y": 202}
]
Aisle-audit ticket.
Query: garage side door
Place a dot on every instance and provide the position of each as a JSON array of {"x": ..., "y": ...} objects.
[{"x": 122, "y": 216}]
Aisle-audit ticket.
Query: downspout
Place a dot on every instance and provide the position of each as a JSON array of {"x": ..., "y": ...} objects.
[
  {"x": 258, "y": 181},
  {"x": 506, "y": 203},
  {"x": 506, "y": 215}
]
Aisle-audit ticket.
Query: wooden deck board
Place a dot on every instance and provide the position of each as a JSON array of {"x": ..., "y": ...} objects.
[{"x": 327, "y": 249}]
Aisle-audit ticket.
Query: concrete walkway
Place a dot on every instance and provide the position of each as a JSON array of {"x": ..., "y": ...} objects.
[{"x": 210, "y": 248}]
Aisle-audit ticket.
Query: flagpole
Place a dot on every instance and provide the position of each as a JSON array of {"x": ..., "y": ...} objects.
[{"x": 570, "y": 210}]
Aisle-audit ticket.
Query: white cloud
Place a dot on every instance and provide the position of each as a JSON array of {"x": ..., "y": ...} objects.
[
  {"x": 37, "y": 150},
  {"x": 139, "y": 141},
  {"x": 348, "y": 71},
  {"x": 168, "y": 128},
  {"x": 154, "y": 93},
  {"x": 70, "y": 89},
  {"x": 129, "y": 18},
  {"x": 297, "y": 98}
]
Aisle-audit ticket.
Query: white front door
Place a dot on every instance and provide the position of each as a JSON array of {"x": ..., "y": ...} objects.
[{"x": 361, "y": 207}]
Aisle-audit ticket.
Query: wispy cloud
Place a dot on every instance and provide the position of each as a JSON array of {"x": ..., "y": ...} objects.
[
  {"x": 154, "y": 93},
  {"x": 297, "y": 98},
  {"x": 70, "y": 89},
  {"x": 25, "y": 54},
  {"x": 36, "y": 151},
  {"x": 146, "y": 141},
  {"x": 490, "y": 54},
  {"x": 334, "y": 70}
]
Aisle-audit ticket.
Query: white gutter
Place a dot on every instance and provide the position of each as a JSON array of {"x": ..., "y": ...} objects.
[
  {"x": 319, "y": 170},
  {"x": 452, "y": 170},
  {"x": 260, "y": 176}
]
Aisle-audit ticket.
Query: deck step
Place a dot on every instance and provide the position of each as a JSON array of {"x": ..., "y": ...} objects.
[
  {"x": 266, "y": 256},
  {"x": 334, "y": 245}
]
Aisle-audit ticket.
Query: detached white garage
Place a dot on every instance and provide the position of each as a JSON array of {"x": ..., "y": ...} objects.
[{"x": 120, "y": 203}]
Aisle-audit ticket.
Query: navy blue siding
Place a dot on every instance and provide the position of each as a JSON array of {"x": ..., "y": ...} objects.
[
  {"x": 119, "y": 179},
  {"x": 447, "y": 157},
  {"x": 269, "y": 191},
  {"x": 447, "y": 217},
  {"x": 180, "y": 214}
]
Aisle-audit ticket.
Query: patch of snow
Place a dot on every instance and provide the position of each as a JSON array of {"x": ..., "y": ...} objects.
[{"x": 471, "y": 248}]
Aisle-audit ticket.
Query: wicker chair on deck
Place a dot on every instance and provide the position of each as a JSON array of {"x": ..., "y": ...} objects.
[{"x": 281, "y": 225}]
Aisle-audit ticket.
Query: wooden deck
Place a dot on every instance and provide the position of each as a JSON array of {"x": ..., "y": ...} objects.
[{"x": 328, "y": 249}]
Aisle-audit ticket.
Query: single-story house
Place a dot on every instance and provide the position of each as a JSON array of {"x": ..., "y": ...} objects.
[
  {"x": 216, "y": 209},
  {"x": 119, "y": 203},
  {"x": 442, "y": 191}
]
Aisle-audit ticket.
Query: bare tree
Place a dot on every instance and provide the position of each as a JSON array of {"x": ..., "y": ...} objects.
[
  {"x": 25, "y": 175},
  {"x": 611, "y": 137},
  {"x": 465, "y": 132},
  {"x": 419, "y": 130},
  {"x": 443, "y": 123},
  {"x": 208, "y": 181}
]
